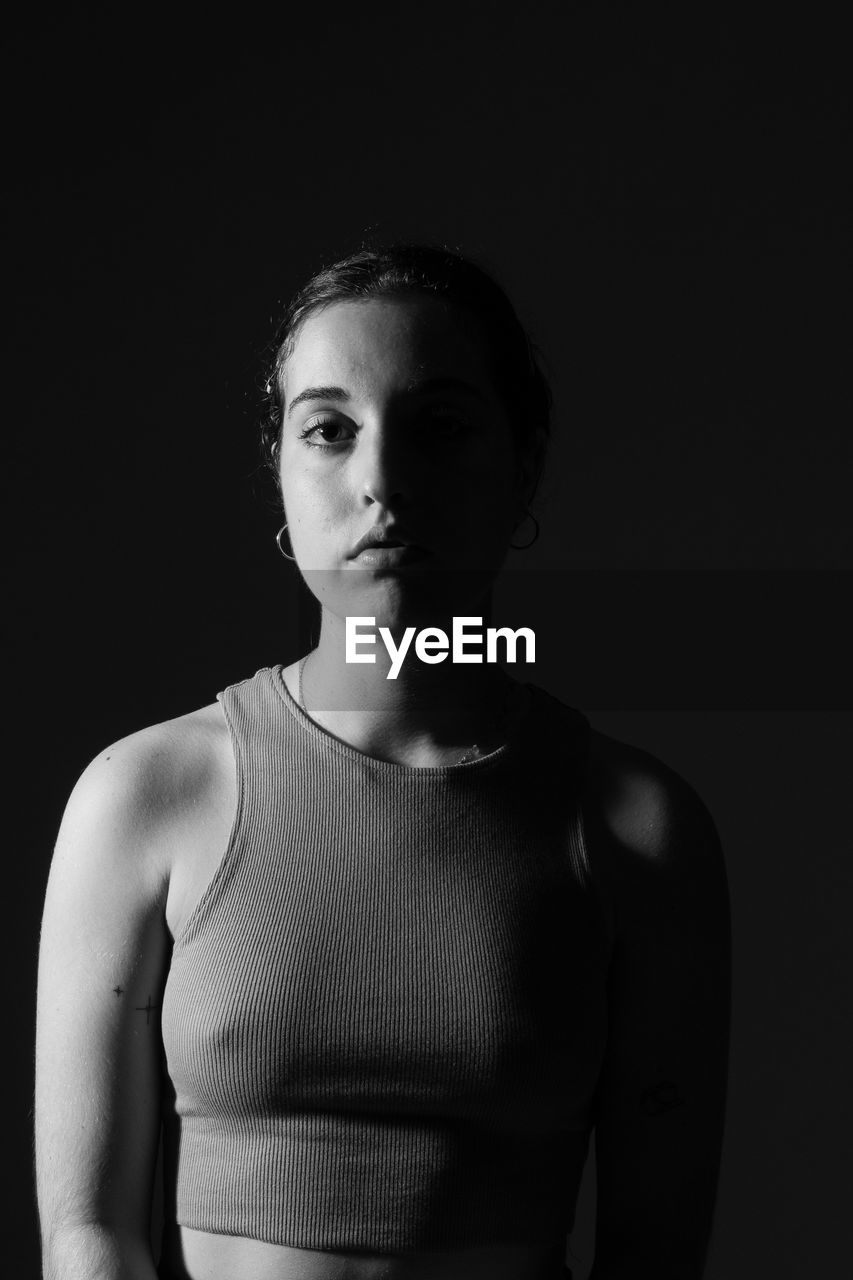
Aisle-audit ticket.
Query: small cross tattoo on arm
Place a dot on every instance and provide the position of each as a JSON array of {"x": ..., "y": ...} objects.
[
  {"x": 660, "y": 1098},
  {"x": 147, "y": 1009}
]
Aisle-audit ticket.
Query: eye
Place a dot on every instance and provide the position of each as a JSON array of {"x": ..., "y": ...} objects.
[
  {"x": 321, "y": 427},
  {"x": 446, "y": 419}
]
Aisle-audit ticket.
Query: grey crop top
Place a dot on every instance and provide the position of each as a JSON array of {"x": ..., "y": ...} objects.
[{"x": 385, "y": 1018}]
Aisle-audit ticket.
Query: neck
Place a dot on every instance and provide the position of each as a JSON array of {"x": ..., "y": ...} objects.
[{"x": 428, "y": 713}]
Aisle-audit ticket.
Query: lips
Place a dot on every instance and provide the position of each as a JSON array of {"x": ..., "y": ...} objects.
[{"x": 383, "y": 537}]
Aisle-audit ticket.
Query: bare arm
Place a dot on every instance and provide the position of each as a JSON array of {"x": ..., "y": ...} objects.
[
  {"x": 662, "y": 1093},
  {"x": 102, "y": 965}
]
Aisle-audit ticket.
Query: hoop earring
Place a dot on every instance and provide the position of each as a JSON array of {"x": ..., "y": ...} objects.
[
  {"x": 280, "y": 547},
  {"x": 525, "y": 545}
]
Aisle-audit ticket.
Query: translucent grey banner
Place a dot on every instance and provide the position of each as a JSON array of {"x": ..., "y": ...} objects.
[
  {"x": 683, "y": 640},
  {"x": 652, "y": 639}
]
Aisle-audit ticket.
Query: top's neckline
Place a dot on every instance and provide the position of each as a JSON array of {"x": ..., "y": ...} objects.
[{"x": 432, "y": 770}]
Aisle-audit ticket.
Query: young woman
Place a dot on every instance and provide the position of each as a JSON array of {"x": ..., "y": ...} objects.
[{"x": 382, "y": 942}]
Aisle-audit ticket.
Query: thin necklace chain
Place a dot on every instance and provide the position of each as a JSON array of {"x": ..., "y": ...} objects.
[{"x": 473, "y": 752}]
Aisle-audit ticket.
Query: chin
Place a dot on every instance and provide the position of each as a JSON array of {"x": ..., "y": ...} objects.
[{"x": 396, "y": 599}]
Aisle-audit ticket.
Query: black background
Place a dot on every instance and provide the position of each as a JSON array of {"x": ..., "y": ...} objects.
[{"x": 663, "y": 196}]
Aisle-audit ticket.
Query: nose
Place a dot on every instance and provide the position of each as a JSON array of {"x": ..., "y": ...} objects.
[{"x": 385, "y": 472}]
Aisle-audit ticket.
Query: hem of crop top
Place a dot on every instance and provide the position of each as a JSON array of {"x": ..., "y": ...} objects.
[{"x": 440, "y": 770}]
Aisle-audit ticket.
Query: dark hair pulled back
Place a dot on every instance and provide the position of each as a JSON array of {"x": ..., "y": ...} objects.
[{"x": 402, "y": 268}]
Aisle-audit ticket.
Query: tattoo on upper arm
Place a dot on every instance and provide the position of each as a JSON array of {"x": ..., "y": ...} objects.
[
  {"x": 660, "y": 1097},
  {"x": 147, "y": 1009}
]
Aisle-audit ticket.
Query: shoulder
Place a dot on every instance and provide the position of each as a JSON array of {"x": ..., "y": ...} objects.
[
  {"x": 644, "y": 803},
  {"x": 651, "y": 833},
  {"x": 132, "y": 797},
  {"x": 159, "y": 763}
]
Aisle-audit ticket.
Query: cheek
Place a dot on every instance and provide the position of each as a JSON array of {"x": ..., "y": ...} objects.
[
  {"x": 481, "y": 508},
  {"x": 490, "y": 480},
  {"x": 310, "y": 496}
]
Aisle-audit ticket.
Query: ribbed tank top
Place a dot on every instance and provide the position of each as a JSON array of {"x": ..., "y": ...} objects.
[{"x": 385, "y": 1018}]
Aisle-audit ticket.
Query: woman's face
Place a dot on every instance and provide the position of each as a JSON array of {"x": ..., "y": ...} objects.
[{"x": 391, "y": 419}]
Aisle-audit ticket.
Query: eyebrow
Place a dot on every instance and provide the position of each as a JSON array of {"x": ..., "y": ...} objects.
[{"x": 416, "y": 388}]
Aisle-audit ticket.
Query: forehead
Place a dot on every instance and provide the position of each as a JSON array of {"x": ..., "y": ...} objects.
[{"x": 385, "y": 341}]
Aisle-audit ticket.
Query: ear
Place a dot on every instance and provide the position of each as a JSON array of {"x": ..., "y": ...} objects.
[{"x": 530, "y": 460}]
